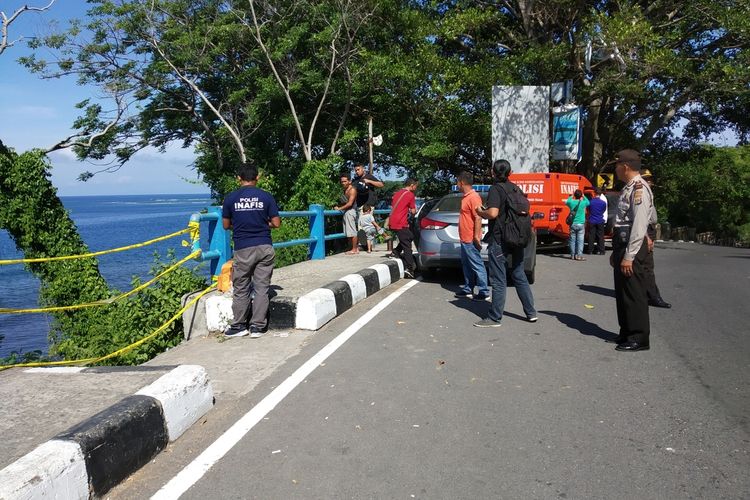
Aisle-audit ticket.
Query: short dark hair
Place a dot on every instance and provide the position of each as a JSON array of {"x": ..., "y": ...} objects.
[
  {"x": 501, "y": 170},
  {"x": 577, "y": 194},
  {"x": 366, "y": 208},
  {"x": 410, "y": 182},
  {"x": 344, "y": 174},
  {"x": 247, "y": 171},
  {"x": 465, "y": 177}
]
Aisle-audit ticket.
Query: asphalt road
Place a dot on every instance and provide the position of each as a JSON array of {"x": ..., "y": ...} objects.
[{"x": 419, "y": 404}]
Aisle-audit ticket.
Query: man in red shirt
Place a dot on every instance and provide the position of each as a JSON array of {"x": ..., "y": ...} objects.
[
  {"x": 470, "y": 234},
  {"x": 402, "y": 204}
]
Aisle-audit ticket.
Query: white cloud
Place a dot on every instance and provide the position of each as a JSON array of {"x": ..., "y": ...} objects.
[
  {"x": 34, "y": 112},
  {"x": 124, "y": 179},
  {"x": 63, "y": 156}
]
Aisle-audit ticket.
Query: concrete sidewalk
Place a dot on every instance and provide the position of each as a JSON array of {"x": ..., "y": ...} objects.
[{"x": 44, "y": 404}]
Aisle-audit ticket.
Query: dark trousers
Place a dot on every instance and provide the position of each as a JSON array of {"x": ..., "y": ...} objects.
[
  {"x": 630, "y": 293},
  {"x": 652, "y": 291},
  {"x": 403, "y": 249},
  {"x": 596, "y": 235}
]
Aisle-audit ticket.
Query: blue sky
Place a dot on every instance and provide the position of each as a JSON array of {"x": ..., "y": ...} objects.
[{"x": 38, "y": 113}]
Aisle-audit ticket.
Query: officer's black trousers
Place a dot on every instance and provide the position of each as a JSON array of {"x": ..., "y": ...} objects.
[
  {"x": 652, "y": 291},
  {"x": 632, "y": 301}
]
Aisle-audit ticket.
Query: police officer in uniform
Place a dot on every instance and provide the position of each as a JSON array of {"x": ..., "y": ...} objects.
[
  {"x": 631, "y": 247},
  {"x": 654, "y": 296}
]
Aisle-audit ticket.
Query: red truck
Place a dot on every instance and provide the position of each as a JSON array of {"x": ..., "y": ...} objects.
[{"x": 547, "y": 193}]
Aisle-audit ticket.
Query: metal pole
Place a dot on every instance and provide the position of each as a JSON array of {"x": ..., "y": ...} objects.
[
  {"x": 318, "y": 232},
  {"x": 220, "y": 241},
  {"x": 369, "y": 142}
]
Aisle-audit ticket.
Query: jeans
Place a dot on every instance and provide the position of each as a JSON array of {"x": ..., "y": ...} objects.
[
  {"x": 474, "y": 271},
  {"x": 576, "y": 239},
  {"x": 497, "y": 261}
]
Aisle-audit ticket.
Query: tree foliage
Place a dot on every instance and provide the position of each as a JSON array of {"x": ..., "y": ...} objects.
[
  {"x": 290, "y": 81},
  {"x": 706, "y": 187}
]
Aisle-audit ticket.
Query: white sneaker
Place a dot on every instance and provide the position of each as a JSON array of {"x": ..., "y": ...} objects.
[{"x": 532, "y": 319}]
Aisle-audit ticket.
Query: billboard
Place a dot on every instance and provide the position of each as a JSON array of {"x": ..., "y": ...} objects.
[
  {"x": 566, "y": 135},
  {"x": 520, "y": 127}
]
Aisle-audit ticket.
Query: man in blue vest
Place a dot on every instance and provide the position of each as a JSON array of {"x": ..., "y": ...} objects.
[
  {"x": 597, "y": 221},
  {"x": 251, "y": 213}
]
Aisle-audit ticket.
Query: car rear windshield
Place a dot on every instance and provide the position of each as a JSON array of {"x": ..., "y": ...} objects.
[{"x": 453, "y": 203}]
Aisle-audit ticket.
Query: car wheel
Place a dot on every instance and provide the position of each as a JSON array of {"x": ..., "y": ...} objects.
[{"x": 428, "y": 273}]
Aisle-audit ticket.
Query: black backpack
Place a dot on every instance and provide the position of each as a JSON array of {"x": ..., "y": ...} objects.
[{"x": 514, "y": 219}]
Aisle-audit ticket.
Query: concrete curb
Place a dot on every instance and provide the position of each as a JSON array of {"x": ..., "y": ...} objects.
[
  {"x": 309, "y": 312},
  {"x": 90, "y": 458},
  {"x": 320, "y": 306}
]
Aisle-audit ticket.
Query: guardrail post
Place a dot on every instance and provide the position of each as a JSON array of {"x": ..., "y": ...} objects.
[
  {"x": 219, "y": 240},
  {"x": 318, "y": 232}
]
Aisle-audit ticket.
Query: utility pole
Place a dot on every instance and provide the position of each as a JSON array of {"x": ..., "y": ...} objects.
[{"x": 369, "y": 142}]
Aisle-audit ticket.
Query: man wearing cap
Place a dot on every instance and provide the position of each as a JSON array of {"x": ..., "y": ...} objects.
[
  {"x": 654, "y": 296},
  {"x": 630, "y": 249}
]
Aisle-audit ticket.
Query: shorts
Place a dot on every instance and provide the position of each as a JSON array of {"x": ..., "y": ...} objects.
[
  {"x": 350, "y": 223},
  {"x": 370, "y": 232}
]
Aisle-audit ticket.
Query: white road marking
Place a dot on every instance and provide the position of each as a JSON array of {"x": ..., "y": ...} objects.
[{"x": 196, "y": 469}]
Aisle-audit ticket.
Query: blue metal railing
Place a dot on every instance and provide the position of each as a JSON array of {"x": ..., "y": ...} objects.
[{"x": 219, "y": 239}]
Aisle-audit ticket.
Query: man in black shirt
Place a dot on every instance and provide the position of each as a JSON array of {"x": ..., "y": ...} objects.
[
  {"x": 365, "y": 184},
  {"x": 499, "y": 257}
]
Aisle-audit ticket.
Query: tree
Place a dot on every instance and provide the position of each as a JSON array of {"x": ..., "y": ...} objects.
[
  {"x": 6, "y": 22},
  {"x": 272, "y": 78},
  {"x": 654, "y": 64}
]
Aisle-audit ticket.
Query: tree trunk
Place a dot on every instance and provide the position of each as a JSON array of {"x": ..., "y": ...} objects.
[{"x": 592, "y": 144}]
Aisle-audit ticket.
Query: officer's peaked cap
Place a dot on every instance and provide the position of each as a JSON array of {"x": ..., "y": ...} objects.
[{"x": 629, "y": 156}]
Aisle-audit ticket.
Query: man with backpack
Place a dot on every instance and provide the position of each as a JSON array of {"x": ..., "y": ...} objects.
[{"x": 509, "y": 233}]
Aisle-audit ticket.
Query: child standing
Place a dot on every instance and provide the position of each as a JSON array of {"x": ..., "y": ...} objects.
[{"x": 369, "y": 226}]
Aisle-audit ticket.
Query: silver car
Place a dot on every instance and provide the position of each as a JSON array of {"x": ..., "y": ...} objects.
[{"x": 438, "y": 245}]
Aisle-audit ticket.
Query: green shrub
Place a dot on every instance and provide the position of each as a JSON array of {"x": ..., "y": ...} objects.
[
  {"x": 743, "y": 234},
  {"x": 705, "y": 187}
]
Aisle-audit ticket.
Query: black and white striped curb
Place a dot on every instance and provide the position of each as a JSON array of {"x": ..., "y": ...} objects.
[
  {"x": 90, "y": 458},
  {"x": 316, "y": 308}
]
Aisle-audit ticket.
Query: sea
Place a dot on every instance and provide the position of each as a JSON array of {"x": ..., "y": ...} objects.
[{"x": 103, "y": 222}]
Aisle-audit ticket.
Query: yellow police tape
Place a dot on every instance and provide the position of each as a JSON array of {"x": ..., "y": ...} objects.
[
  {"x": 190, "y": 229},
  {"x": 88, "y": 361},
  {"x": 100, "y": 302}
]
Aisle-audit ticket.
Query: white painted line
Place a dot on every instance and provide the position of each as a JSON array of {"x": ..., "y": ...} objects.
[
  {"x": 185, "y": 394},
  {"x": 384, "y": 274},
  {"x": 190, "y": 475},
  {"x": 56, "y": 369},
  {"x": 357, "y": 286},
  {"x": 315, "y": 309}
]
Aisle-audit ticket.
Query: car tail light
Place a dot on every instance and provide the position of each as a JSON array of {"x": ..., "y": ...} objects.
[
  {"x": 427, "y": 223},
  {"x": 554, "y": 213}
]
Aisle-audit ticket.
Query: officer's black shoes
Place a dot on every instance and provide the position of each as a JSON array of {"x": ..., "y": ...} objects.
[
  {"x": 616, "y": 340},
  {"x": 660, "y": 303},
  {"x": 632, "y": 347}
]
